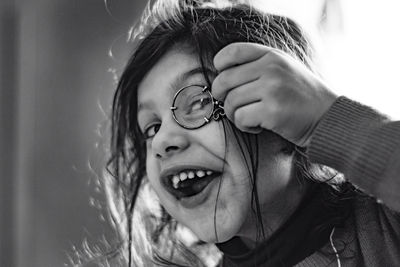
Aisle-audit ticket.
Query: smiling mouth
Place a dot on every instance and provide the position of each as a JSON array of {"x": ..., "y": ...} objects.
[{"x": 188, "y": 183}]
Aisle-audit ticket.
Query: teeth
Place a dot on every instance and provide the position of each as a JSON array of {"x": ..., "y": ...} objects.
[
  {"x": 200, "y": 174},
  {"x": 175, "y": 181},
  {"x": 191, "y": 175},
  {"x": 183, "y": 176}
]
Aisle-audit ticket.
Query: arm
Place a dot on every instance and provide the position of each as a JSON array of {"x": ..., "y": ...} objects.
[
  {"x": 364, "y": 145},
  {"x": 263, "y": 88}
]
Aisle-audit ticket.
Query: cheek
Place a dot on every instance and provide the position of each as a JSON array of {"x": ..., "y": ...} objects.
[
  {"x": 211, "y": 137},
  {"x": 152, "y": 171},
  {"x": 234, "y": 198},
  {"x": 166, "y": 200},
  {"x": 274, "y": 170}
]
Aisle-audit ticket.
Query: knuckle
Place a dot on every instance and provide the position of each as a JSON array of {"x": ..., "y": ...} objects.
[
  {"x": 272, "y": 55},
  {"x": 217, "y": 61},
  {"x": 228, "y": 103},
  {"x": 276, "y": 58},
  {"x": 275, "y": 53},
  {"x": 233, "y": 49},
  {"x": 215, "y": 85},
  {"x": 232, "y": 101},
  {"x": 225, "y": 53},
  {"x": 216, "y": 88},
  {"x": 228, "y": 110}
]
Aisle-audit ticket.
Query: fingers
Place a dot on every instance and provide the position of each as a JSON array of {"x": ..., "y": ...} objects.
[
  {"x": 245, "y": 107},
  {"x": 237, "y": 54},
  {"x": 247, "y": 118},
  {"x": 241, "y": 63},
  {"x": 250, "y": 109},
  {"x": 232, "y": 78},
  {"x": 241, "y": 96},
  {"x": 248, "y": 79}
]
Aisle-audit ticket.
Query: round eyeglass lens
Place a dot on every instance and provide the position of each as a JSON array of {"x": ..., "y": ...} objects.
[{"x": 193, "y": 106}]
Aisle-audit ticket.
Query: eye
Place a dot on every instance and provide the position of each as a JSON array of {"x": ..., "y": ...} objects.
[
  {"x": 198, "y": 104},
  {"x": 151, "y": 130}
]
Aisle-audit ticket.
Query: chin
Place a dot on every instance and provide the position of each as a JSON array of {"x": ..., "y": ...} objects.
[
  {"x": 224, "y": 232},
  {"x": 212, "y": 239}
]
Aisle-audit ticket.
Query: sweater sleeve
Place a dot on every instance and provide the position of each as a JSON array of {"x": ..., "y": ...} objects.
[{"x": 362, "y": 144}]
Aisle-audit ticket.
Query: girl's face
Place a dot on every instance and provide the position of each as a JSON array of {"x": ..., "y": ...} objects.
[{"x": 202, "y": 181}]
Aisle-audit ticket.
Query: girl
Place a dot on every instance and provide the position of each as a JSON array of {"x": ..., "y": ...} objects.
[{"x": 220, "y": 113}]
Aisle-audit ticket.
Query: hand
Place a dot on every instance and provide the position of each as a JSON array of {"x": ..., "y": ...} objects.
[{"x": 264, "y": 88}]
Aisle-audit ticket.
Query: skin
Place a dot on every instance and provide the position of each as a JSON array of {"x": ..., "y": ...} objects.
[
  {"x": 171, "y": 145},
  {"x": 265, "y": 89}
]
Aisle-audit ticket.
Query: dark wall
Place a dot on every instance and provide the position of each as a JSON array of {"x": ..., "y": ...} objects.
[
  {"x": 8, "y": 98},
  {"x": 54, "y": 78}
]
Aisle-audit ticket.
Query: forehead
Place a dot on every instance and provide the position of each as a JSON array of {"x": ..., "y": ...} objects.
[{"x": 174, "y": 70}]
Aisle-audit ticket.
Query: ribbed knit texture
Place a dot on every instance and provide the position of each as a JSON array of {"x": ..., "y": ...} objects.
[
  {"x": 370, "y": 237},
  {"x": 365, "y": 146}
]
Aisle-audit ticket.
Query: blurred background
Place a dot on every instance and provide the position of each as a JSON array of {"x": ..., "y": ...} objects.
[{"x": 58, "y": 59}]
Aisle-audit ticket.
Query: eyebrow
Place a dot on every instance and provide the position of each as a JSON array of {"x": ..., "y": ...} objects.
[{"x": 178, "y": 82}]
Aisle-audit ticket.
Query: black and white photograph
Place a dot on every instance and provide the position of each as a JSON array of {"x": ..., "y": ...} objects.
[{"x": 199, "y": 133}]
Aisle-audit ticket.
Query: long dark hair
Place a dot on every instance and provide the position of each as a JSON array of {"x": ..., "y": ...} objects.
[{"x": 203, "y": 29}]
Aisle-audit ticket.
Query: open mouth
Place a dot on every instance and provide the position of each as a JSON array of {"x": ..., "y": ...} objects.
[{"x": 190, "y": 182}]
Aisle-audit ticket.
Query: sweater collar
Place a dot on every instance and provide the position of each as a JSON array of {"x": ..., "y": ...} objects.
[{"x": 305, "y": 231}]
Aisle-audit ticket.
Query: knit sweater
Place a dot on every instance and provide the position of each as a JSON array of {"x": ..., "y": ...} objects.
[{"x": 365, "y": 146}]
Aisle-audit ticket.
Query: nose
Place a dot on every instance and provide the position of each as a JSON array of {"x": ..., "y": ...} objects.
[{"x": 169, "y": 140}]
